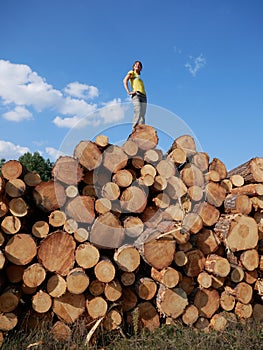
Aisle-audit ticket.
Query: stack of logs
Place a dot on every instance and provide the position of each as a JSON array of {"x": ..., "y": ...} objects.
[{"x": 128, "y": 228}]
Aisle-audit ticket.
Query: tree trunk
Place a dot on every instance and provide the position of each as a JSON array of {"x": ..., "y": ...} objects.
[
  {"x": 195, "y": 263},
  {"x": 11, "y": 169},
  {"x": 15, "y": 188},
  {"x": 167, "y": 276},
  {"x": 67, "y": 170},
  {"x": 113, "y": 290},
  {"x": 215, "y": 194},
  {"x": 69, "y": 307},
  {"x": 114, "y": 159},
  {"x": 207, "y": 302},
  {"x": 21, "y": 249},
  {"x": 145, "y": 137},
  {"x": 146, "y": 288},
  {"x": 251, "y": 171},
  {"x": 49, "y": 195},
  {"x": 171, "y": 302},
  {"x": 133, "y": 199},
  {"x": 127, "y": 258},
  {"x": 217, "y": 165},
  {"x": 87, "y": 255},
  {"x": 238, "y": 204},
  {"x": 88, "y": 155},
  {"x": 217, "y": 265},
  {"x": 97, "y": 307},
  {"x": 56, "y": 286},
  {"x": 77, "y": 281},
  {"x": 185, "y": 142},
  {"x": 41, "y": 302},
  {"x": 105, "y": 270},
  {"x": 34, "y": 275}
]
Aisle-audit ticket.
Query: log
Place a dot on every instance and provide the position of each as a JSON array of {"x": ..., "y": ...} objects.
[
  {"x": 21, "y": 249},
  {"x": 180, "y": 258},
  {"x": 34, "y": 275},
  {"x": 188, "y": 284},
  {"x": 88, "y": 155},
  {"x": 56, "y": 252},
  {"x": 253, "y": 189},
  {"x": 49, "y": 195},
  {"x": 195, "y": 263},
  {"x": 69, "y": 307},
  {"x": 166, "y": 168},
  {"x": 129, "y": 299},
  {"x": 70, "y": 226},
  {"x": 175, "y": 187},
  {"x": 67, "y": 170},
  {"x": 112, "y": 320},
  {"x": 217, "y": 165},
  {"x": 204, "y": 279},
  {"x": 71, "y": 191},
  {"x": 237, "y": 274},
  {"x": 127, "y": 258},
  {"x": 133, "y": 226},
  {"x": 96, "y": 287},
  {"x": 243, "y": 311},
  {"x": 250, "y": 259},
  {"x": 144, "y": 316},
  {"x": 113, "y": 290},
  {"x": 77, "y": 281},
  {"x": 12, "y": 169},
  {"x": 174, "y": 212},
  {"x": 152, "y": 156},
  {"x": 258, "y": 312},
  {"x": 110, "y": 191},
  {"x": 162, "y": 200},
  {"x": 81, "y": 235},
  {"x": 102, "y": 141},
  {"x": 190, "y": 315},
  {"x": 178, "y": 156},
  {"x": 40, "y": 229},
  {"x": 167, "y": 276},
  {"x": 201, "y": 161},
  {"x": 145, "y": 137},
  {"x": 133, "y": 199},
  {"x": 227, "y": 301},
  {"x": 185, "y": 142},
  {"x": 206, "y": 241},
  {"x": 105, "y": 270},
  {"x": 14, "y": 273},
  {"x": 171, "y": 302},
  {"x": 146, "y": 288},
  {"x": 114, "y": 159},
  {"x": 251, "y": 171},
  {"x": 160, "y": 183},
  {"x": 107, "y": 231},
  {"x": 237, "y": 231},
  {"x": 87, "y": 255},
  {"x": 218, "y": 322},
  {"x": 15, "y": 188},
  {"x": 32, "y": 179},
  {"x": 9, "y": 300},
  {"x": 2, "y": 184},
  {"x": 192, "y": 175},
  {"x": 97, "y": 307},
  {"x": 11, "y": 224},
  {"x": 3, "y": 208},
  {"x": 215, "y": 194},
  {"x": 41, "y": 302},
  {"x": 237, "y": 180},
  {"x": 81, "y": 209},
  {"x": 217, "y": 265},
  {"x": 128, "y": 278},
  {"x": 8, "y": 321},
  {"x": 61, "y": 332},
  {"x": 195, "y": 193},
  {"x": 208, "y": 212},
  {"x": 123, "y": 178},
  {"x": 207, "y": 302},
  {"x": 213, "y": 176},
  {"x": 57, "y": 218},
  {"x": 130, "y": 148},
  {"x": 192, "y": 223},
  {"x": 238, "y": 204},
  {"x": 56, "y": 286},
  {"x": 158, "y": 253},
  {"x": 18, "y": 207}
]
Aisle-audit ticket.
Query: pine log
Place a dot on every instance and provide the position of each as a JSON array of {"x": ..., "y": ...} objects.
[
  {"x": 171, "y": 301},
  {"x": 207, "y": 241},
  {"x": 11, "y": 224},
  {"x": 175, "y": 187},
  {"x": 88, "y": 155},
  {"x": 107, "y": 231},
  {"x": 56, "y": 252},
  {"x": 61, "y": 332},
  {"x": 49, "y": 195},
  {"x": 227, "y": 301},
  {"x": 8, "y": 321},
  {"x": 201, "y": 161},
  {"x": 18, "y": 207},
  {"x": 56, "y": 286},
  {"x": 70, "y": 225},
  {"x": 40, "y": 229},
  {"x": 137, "y": 162},
  {"x": 97, "y": 307},
  {"x": 123, "y": 178},
  {"x": 110, "y": 191},
  {"x": 133, "y": 226},
  {"x": 15, "y": 188},
  {"x": 195, "y": 193},
  {"x": 105, "y": 270},
  {"x": 217, "y": 265},
  {"x": 208, "y": 212},
  {"x": 112, "y": 320},
  {"x": 81, "y": 235},
  {"x": 178, "y": 156},
  {"x": 14, "y": 273},
  {"x": 191, "y": 175},
  {"x": 3, "y": 208},
  {"x": 113, "y": 290},
  {"x": 215, "y": 194},
  {"x": 81, "y": 209},
  {"x": 32, "y": 179},
  {"x": 34, "y": 275},
  {"x": 207, "y": 302},
  {"x": 41, "y": 302},
  {"x": 158, "y": 253},
  {"x": 204, "y": 279},
  {"x": 87, "y": 255},
  {"x": 250, "y": 259},
  {"x": 21, "y": 249},
  {"x": 160, "y": 183},
  {"x": 251, "y": 276},
  {"x": 195, "y": 263},
  {"x": 251, "y": 171},
  {"x": 102, "y": 141},
  {"x": 217, "y": 165},
  {"x": 162, "y": 200},
  {"x": 71, "y": 191},
  {"x": 127, "y": 258},
  {"x": 192, "y": 222},
  {"x": 174, "y": 212},
  {"x": 77, "y": 281},
  {"x": 57, "y": 218},
  {"x": 218, "y": 322},
  {"x": 11, "y": 169},
  {"x": 9, "y": 300},
  {"x": 69, "y": 307},
  {"x": 145, "y": 316},
  {"x": 114, "y": 158},
  {"x": 133, "y": 199},
  {"x": 146, "y": 288},
  {"x": 227, "y": 184},
  {"x": 218, "y": 282},
  {"x": 67, "y": 170},
  {"x": 190, "y": 315},
  {"x": 237, "y": 231},
  {"x": 213, "y": 176},
  {"x": 152, "y": 156},
  {"x": 129, "y": 299},
  {"x": 238, "y": 204},
  {"x": 166, "y": 168},
  {"x": 130, "y": 148},
  {"x": 96, "y": 287},
  {"x": 237, "y": 180},
  {"x": 128, "y": 278},
  {"x": 185, "y": 142},
  {"x": 145, "y": 137},
  {"x": 180, "y": 258},
  {"x": 237, "y": 274},
  {"x": 167, "y": 276},
  {"x": 243, "y": 311},
  {"x": 253, "y": 189}
]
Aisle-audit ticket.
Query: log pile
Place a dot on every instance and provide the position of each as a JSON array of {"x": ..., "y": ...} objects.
[{"x": 127, "y": 228}]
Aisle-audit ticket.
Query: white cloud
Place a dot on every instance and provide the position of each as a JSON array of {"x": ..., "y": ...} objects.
[
  {"x": 53, "y": 153},
  {"x": 18, "y": 114},
  {"x": 82, "y": 91},
  {"x": 196, "y": 64},
  {"x": 113, "y": 111},
  {"x": 9, "y": 150},
  {"x": 71, "y": 122}
]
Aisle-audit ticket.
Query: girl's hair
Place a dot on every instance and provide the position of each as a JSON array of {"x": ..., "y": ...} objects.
[{"x": 140, "y": 63}]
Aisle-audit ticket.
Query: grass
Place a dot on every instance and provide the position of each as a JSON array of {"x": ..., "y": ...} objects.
[{"x": 237, "y": 336}]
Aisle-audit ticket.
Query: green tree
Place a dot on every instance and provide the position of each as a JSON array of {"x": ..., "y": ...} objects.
[
  {"x": 35, "y": 162},
  {"x": 2, "y": 161}
]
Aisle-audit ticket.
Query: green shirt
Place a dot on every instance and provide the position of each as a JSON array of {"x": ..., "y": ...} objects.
[{"x": 136, "y": 82}]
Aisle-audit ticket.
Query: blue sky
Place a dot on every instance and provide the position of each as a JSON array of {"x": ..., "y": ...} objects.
[{"x": 62, "y": 63}]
